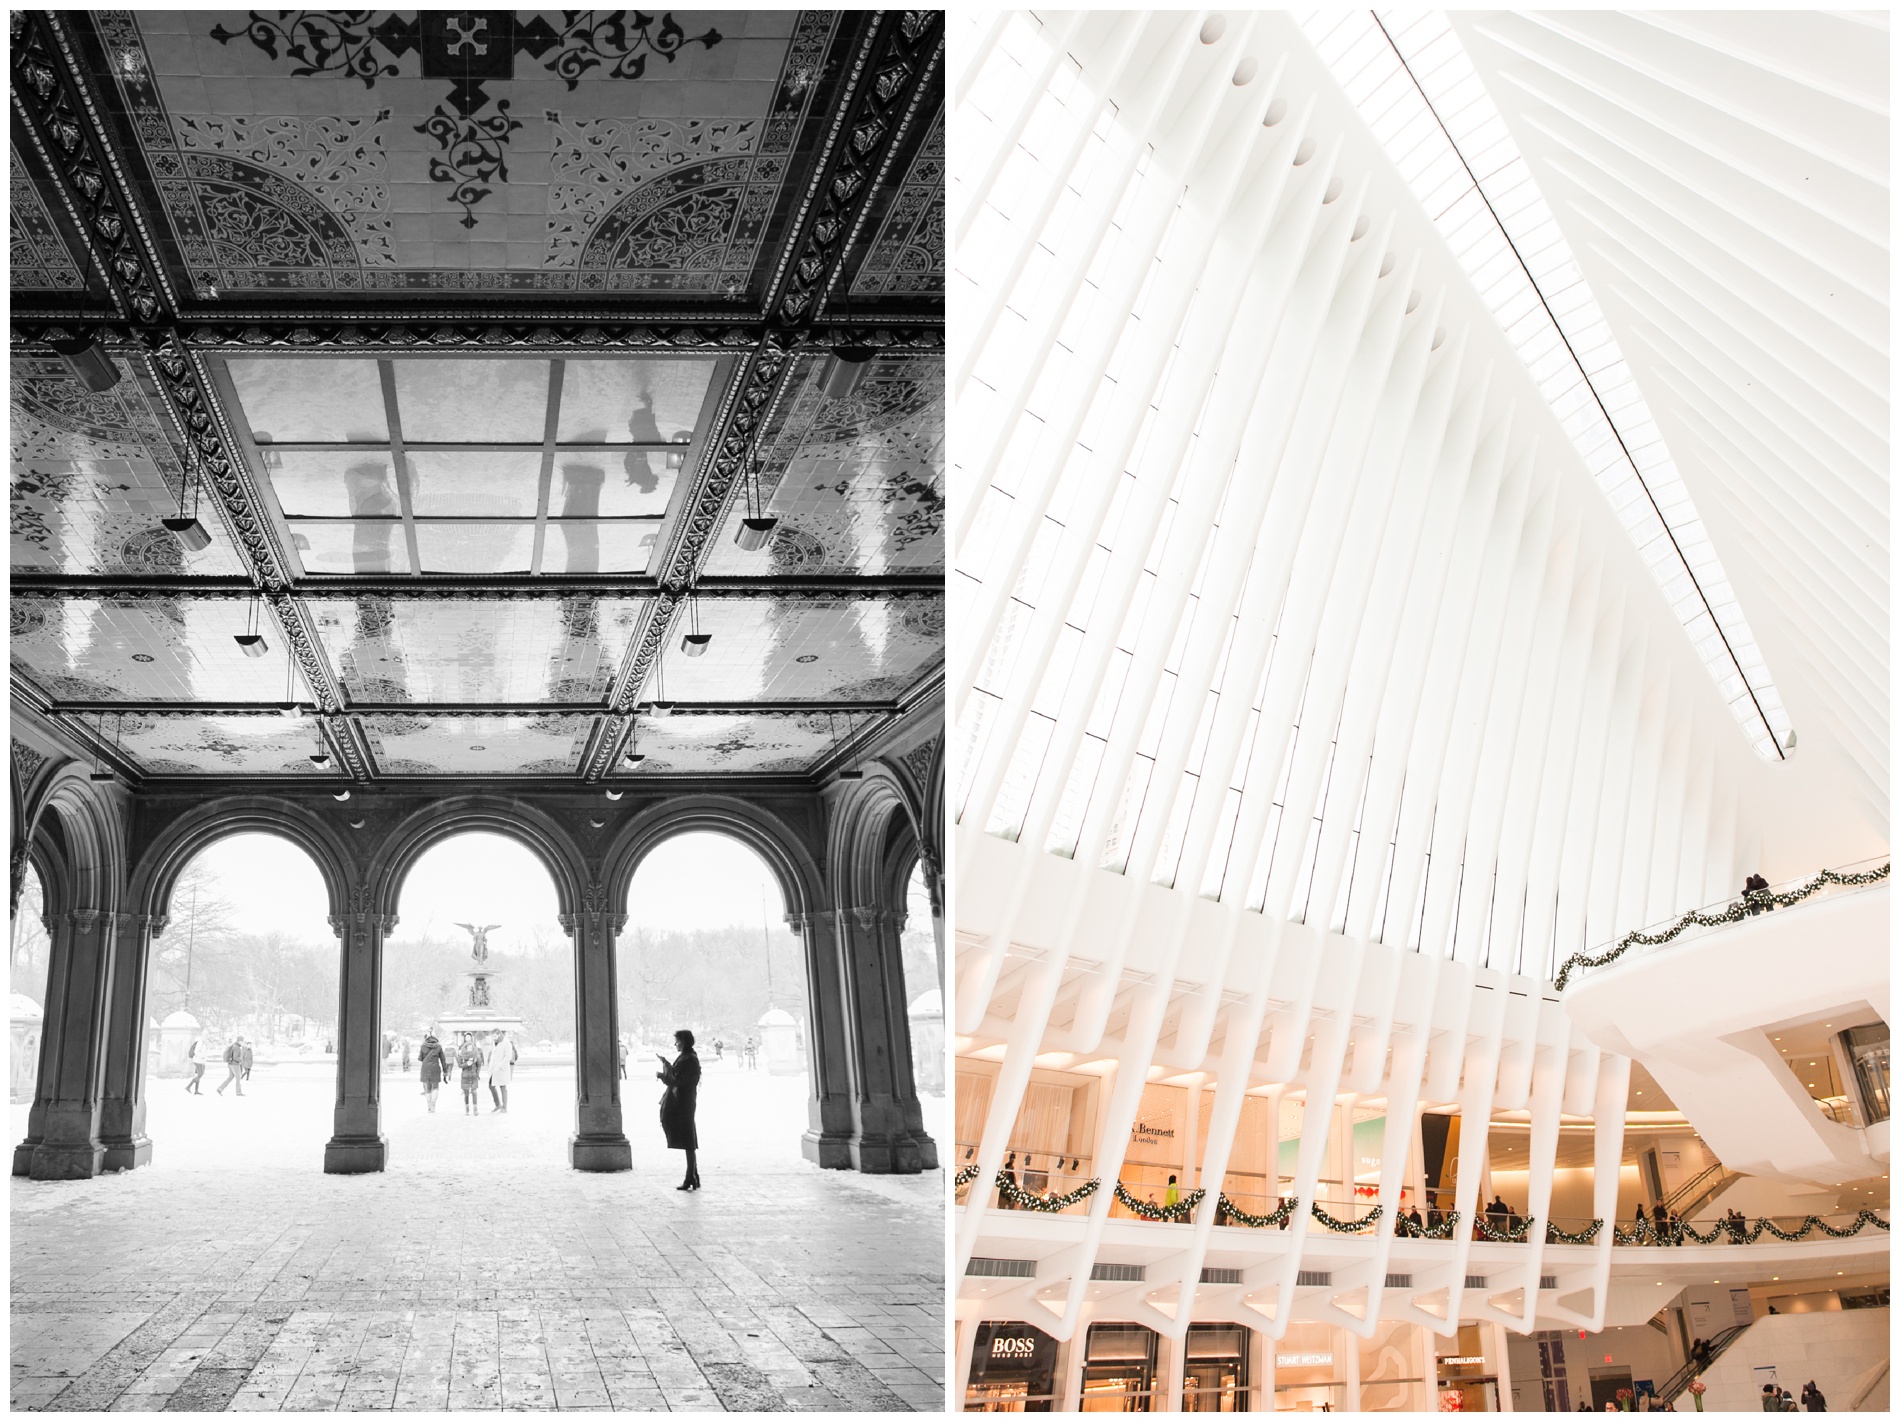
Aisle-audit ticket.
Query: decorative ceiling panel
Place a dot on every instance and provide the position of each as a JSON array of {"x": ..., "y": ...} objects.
[
  {"x": 477, "y": 745},
  {"x": 465, "y": 651},
  {"x": 37, "y": 256},
  {"x": 217, "y": 745},
  {"x": 906, "y": 255},
  {"x": 856, "y": 484},
  {"x": 724, "y": 745},
  {"x": 868, "y": 649},
  {"x": 147, "y": 649},
  {"x": 504, "y": 151},
  {"x": 92, "y": 475}
]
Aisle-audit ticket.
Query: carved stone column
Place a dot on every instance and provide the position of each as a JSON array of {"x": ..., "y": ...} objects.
[
  {"x": 599, "y": 1141},
  {"x": 888, "y": 1125},
  {"x": 828, "y": 1141},
  {"x": 358, "y": 1145},
  {"x": 933, "y": 885},
  {"x": 62, "y": 1140},
  {"x": 122, "y": 1114}
]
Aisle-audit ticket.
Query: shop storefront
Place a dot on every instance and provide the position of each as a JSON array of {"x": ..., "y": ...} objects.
[
  {"x": 1464, "y": 1368},
  {"x": 1012, "y": 1369},
  {"x": 1215, "y": 1378},
  {"x": 1309, "y": 1371},
  {"x": 1120, "y": 1368}
]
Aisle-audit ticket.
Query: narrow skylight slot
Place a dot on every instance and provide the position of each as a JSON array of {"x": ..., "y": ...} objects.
[{"x": 1416, "y": 88}]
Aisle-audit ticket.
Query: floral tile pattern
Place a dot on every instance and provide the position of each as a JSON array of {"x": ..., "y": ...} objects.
[
  {"x": 477, "y": 745},
  {"x": 465, "y": 650},
  {"x": 792, "y": 649},
  {"x": 37, "y": 256},
  {"x": 713, "y": 745},
  {"x": 907, "y": 254},
  {"x": 147, "y": 649},
  {"x": 542, "y": 151},
  {"x": 218, "y": 745},
  {"x": 856, "y": 484},
  {"x": 91, "y": 476}
]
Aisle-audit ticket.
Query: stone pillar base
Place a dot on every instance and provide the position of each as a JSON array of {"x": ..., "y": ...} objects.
[
  {"x": 23, "y": 1157},
  {"x": 603, "y": 1153},
  {"x": 355, "y": 1155},
  {"x": 62, "y": 1162},
  {"x": 887, "y": 1155},
  {"x": 128, "y": 1153},
  {"x": 832, "y": 1152}
]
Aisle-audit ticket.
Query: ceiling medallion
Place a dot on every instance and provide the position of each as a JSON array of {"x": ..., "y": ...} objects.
[{"x": 467, "y": 48}]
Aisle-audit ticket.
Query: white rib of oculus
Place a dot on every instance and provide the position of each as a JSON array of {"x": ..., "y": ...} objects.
[{"x": 1411, "y": 79}]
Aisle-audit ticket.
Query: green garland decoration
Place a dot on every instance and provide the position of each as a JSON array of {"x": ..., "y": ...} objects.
[
  {"x": 967, "y": 1173},
  {"x": 1644, "y": 1231},
  {"x": 1347, "y": 1226},
  {"x": 1178, "y": 1213},
  {"x": 1757, "y": 899},
  {"x": 1553, "y": 1235},
  {"x": 1233, "y": 1214},
  {"x": 1443, "y": 1229},
  {"x": 1023, "y": 1199},
  {"x": 1501, "y": 1234},
  {"x": 1405, "y": 1229}
]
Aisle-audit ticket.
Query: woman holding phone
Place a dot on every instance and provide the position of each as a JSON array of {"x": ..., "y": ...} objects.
[{"x": 678, "y": 1105}]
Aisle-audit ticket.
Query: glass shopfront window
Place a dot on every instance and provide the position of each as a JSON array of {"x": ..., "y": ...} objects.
[
  {"x": 1309, "y": 1369},
  {"x": 1012, "y": 1369},
  {"x": 1463, "y": 1367},
  {"x": 1215, "y": 1379},
  {"x": 1118, "y": 1374}
]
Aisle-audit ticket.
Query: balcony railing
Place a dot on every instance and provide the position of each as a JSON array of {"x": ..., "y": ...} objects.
[{"x": 1726, "y": 911}]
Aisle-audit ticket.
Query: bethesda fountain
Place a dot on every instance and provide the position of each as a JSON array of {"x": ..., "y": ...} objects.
[{"x": 480, "y": 1015}]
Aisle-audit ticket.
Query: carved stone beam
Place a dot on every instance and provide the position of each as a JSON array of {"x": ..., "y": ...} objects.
[
  {"x": 891, "y": 75},
  {"x": 63, "y": 127},
  {"x": 209, "y": 444}
]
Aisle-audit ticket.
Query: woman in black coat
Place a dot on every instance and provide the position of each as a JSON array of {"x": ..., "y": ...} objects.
[
  {"x": 677, "y": 1106},
  {"x": 435, "y": 1067}
]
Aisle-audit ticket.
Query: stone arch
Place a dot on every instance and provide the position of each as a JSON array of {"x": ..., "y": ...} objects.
[
  {"x": 89, "y": 827},
  {"x": 156, "y": 872},
  {"x": 533, "y": 829},
  {"x": 79, "y": 828},
  {"x": 872, "y": 844},
  {"x": 867, "y": 814},
  {"x": 800, "y": 879}
]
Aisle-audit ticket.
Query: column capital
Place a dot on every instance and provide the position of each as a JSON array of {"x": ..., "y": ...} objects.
[
  {"x": 869, "y": 918},
  {"x": 572, "y": 923},
  {"x": 86, "y": 920},
  {"x": 383, "y": 923},
  {"x": 803, "y": 923},
  {"x": 153, "y": 924}
]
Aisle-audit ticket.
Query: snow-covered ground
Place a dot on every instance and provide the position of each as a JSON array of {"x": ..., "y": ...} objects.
[{"x": 748, "y": 1121}]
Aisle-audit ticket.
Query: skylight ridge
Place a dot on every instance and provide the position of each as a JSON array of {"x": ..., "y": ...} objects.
[{"x": 1427, "y": 105}]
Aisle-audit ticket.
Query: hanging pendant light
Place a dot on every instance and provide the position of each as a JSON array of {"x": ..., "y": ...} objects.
[
  {"x": 755, "y": 529},
  {"x": 288, "y": 708},
  {"x": 87, "y": 363},
  {"x": 99, "y": 771},
  {"x": 184, "y": 526},
  {"x": 321, "y": 756},
  {"x": 250, "y": 641},
  {"x": 694, "y": 643},
  {"x": 634, "y": 757},
  {"x": 84, "y": 358},
  {"x": 855, "y": 772},
  {"x": 845, "y": 371}
]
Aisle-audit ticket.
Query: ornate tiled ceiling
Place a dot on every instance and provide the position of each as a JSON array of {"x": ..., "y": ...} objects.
[
  {"x": 470, "y": 338},
  {"x": 857, "y": 483}
]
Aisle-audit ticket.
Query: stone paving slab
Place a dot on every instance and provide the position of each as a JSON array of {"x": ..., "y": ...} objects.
[{"x": 457, "y": 1288}]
